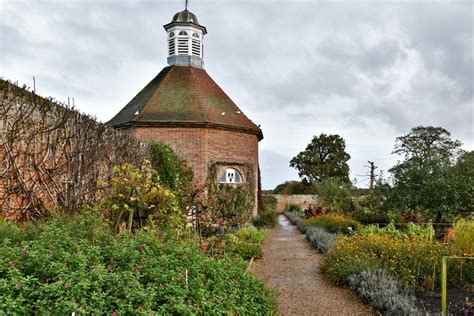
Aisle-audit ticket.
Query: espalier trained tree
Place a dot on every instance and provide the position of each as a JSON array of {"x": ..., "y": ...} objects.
[{"x": 324, "y": 157}]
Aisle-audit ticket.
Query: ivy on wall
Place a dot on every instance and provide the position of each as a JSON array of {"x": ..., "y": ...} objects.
[{"x": 229, "y": 206}]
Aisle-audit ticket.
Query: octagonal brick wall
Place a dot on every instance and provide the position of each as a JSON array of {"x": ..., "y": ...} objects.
[{"x": 202, "y": 147}]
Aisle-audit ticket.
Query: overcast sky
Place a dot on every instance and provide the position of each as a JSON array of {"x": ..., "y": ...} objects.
[{"x": 368, "y": 71}]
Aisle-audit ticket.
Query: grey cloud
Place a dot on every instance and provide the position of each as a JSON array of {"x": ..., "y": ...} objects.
[{"x": 326, "y": 65}]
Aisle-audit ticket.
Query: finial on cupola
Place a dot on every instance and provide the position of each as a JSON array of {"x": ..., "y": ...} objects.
[{"x": 185, "y": 39}]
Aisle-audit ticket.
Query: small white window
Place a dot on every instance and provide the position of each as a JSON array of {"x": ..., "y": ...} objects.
[
  {"x": 171, "y": 34},
  {"x": 196, "y": 35},
  {"x": 231, "y": 175},
  {"x": 183, "y": 33}
]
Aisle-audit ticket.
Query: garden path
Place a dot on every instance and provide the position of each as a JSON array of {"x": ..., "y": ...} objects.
[{"x": 292, "y": 267}]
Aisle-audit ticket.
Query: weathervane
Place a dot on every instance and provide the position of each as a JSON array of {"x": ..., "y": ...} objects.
[{"x": 186, "y": 5}]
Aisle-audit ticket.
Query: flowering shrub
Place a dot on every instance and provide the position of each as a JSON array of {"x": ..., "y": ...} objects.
[
  {"x": 383, "y": 292},
  {"x": 78, "y": 265},
  {"x": 136, "y": 198},
  {"x": 414, "y": 261},
  {"x": 246, "y": 242},
  {"x": 334, "y": 223}
]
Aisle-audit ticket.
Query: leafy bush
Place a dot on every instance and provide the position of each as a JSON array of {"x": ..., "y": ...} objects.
[
  {"x": 295, "y": 209},
  {"x": 383, "y": 292},
  {"x": 228, "y": 206},
  {"x": 321, "y": 239},
  {"x": 335, "y": 223},
  {"x": 464, "y": 237},
  {"x": 136, "y": 199},
  {"x": 246, "y": 242},
  {"x": 268, "y": 217},
  {"x": 335, "y": 194},
  {"x": 294, "y": 187},
  {"x": 411, "y": 230},
  {"x": 75, "y": 265},
  {"x": 173, "y": 172}
]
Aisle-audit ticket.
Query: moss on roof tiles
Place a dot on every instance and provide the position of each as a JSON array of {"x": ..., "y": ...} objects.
[{"x": 183, "y": 95}]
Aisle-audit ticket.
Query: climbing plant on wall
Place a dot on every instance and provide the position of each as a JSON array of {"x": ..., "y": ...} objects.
[{"x": 228, "y": 206}]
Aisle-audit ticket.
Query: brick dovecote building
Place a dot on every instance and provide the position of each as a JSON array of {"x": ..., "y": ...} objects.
[{"x": 183, "y": 107}]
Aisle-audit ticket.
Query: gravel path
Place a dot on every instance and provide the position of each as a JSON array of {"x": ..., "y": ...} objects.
[{"x": 291, "y": 266}]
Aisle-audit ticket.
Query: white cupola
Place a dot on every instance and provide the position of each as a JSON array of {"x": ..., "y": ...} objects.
[{"x": 185, "y": 40}]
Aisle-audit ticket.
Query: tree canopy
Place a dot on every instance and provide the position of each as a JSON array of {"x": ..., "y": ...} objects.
[
  {"x": 424, "y": 179},
  {"x": 324, "y": 157}
]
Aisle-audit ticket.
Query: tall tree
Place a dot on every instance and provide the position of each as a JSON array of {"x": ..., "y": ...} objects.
[
  {"x": 324, "y": 157},
  {"x": 421, "y": 181}
]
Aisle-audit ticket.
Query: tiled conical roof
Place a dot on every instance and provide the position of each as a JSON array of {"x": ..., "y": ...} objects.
[{"x": 184, "y": 96}]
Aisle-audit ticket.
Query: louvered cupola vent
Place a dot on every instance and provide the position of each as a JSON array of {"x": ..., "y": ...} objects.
[{"x": 185, "y": 40}]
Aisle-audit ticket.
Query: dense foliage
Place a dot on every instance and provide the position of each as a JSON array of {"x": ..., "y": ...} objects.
[
  {"x": 246, "y": 242},
  {"x": 410, "y": 230},
  {"x": 136, "y": 198},
  {"x": 228, "y": 206},
  {"x": 334, "y": 223},
  {"x": 335, "y": 195},
  {"x": 295, "y": 209},
  {"x": 428, "y": 179},
  {"x": 173, "y": 172},
  {"x": 268, "y": 217},
  {"x": 464, "y": 237},
  {"x": 78, "y": 265},
  {"x": 324, "y": 157},
  {"x": 294, "y": 187}
]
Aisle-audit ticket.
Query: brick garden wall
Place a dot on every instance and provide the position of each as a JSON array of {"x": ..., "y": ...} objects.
[{"x": 302, "y": 200}]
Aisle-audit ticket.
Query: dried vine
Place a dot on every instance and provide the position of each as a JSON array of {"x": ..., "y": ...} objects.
[{"x": 51, "y": 156}]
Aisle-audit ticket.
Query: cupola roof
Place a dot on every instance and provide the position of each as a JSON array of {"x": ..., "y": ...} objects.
[{"x": 185, "y": 16}]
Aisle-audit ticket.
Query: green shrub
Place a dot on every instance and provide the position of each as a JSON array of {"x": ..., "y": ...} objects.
[
  {"x": 137, "y": 199},
  {"x": 295, "y": 209},
  {"x": 75, "y": 265},
  {"x": 383, "y": 292},
  {"x": 173, "y": 172},
  {"x": 335, "y": 223},
  {"x": 321, "y": 239},
  {"x": 267, "y": 218},
  {"x": 246, "y": 242},
  {"x": 464, "y": 237},
  {"x": 335, "y": 194},
  {"x": 411, "y": 230},
  {"x": 294, "y": 187}
]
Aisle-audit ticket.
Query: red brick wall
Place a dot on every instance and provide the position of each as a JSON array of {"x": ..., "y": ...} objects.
[{"x": 202, "y": 147}]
